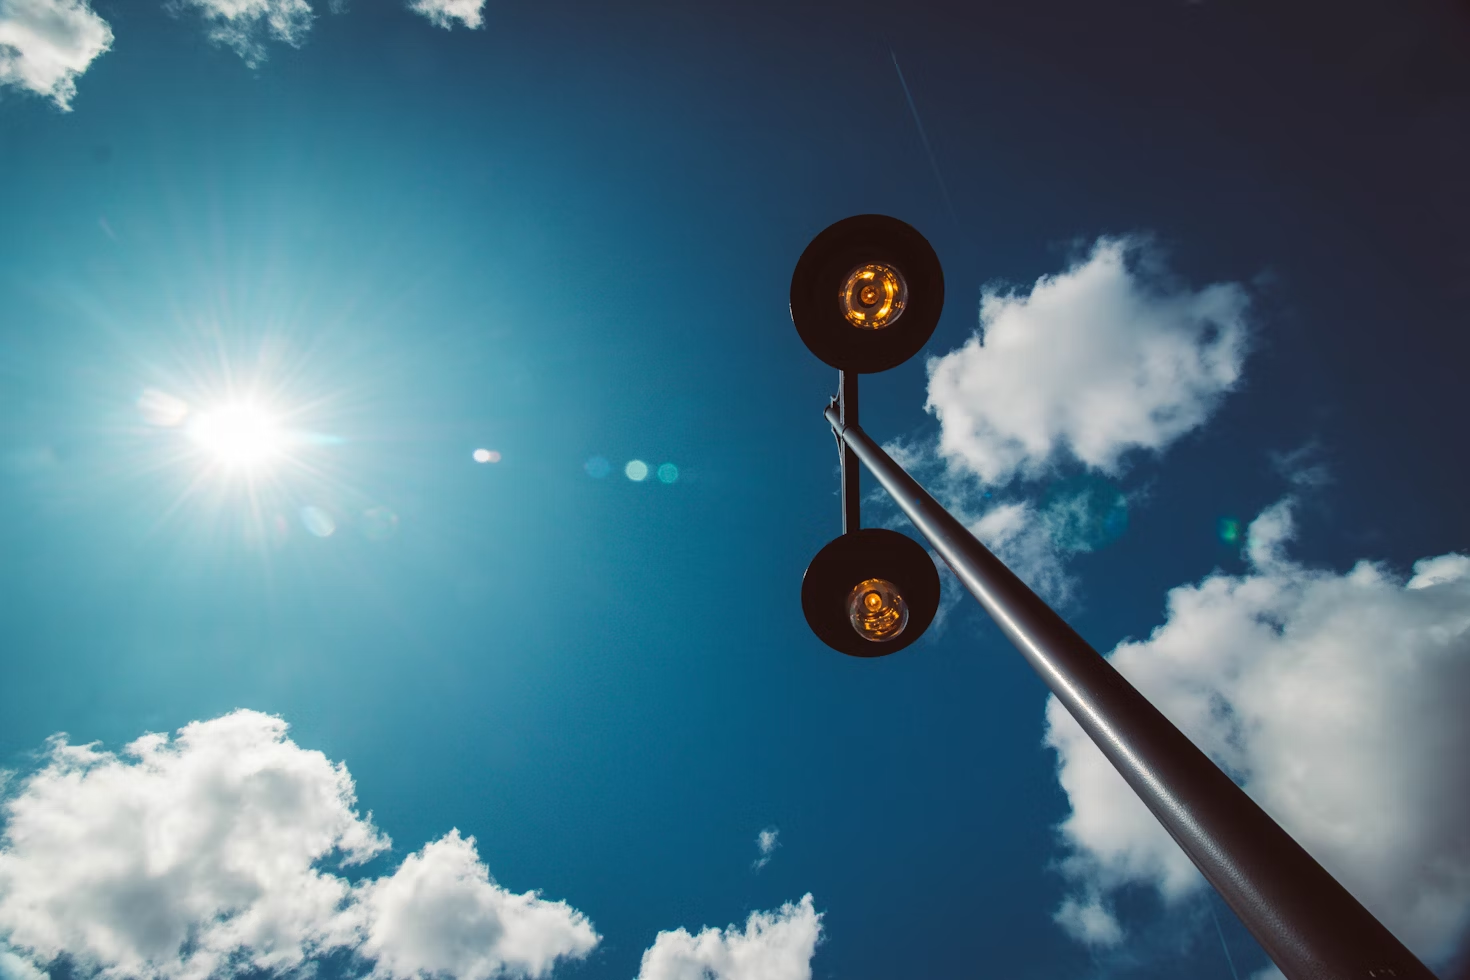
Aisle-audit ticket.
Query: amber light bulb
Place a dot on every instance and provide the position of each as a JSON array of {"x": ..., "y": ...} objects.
[
  {"x": 877, "y": 611},
  {"x": 873, "y": 296}
]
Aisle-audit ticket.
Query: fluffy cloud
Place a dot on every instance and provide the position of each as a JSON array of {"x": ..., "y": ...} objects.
[
  {"x": 201, "y": 857},
  {"x": 441, "y": 915},
  {"x": 1336, "y": 700},
  {"x": 443, "y": 13},
  {"x": 774, "y": 946},
  {"x": 1105, "y": 357},
  {"x": 246, "y": 25},
  {"x": 12, "y": 967},
  {"x": 45, "y": 45},
  {"x": 1089, "y": 921}
]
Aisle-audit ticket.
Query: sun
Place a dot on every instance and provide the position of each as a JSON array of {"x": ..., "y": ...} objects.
[
  {"x": 245, "y": 438},
  {"x": 241, "y": 436}
]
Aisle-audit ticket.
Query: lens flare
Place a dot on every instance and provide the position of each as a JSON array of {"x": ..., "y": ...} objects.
[
  {"x": 877, "y": 611},
  {"x": 1229, "y": 529},
  {"x": 318, "y": 521},
  {"x": 379, "y": 523},
  {"x": 636, "y": 470},
  {"x": 162, "y": 409}
]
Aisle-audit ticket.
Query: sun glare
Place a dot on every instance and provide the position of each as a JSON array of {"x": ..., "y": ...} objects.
[
  {"x": 245, "y": 438},
  {"x": 239, "y": 436}
]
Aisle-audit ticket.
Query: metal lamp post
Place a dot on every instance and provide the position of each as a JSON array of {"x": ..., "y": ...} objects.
[{"x": 866, "y": 296}]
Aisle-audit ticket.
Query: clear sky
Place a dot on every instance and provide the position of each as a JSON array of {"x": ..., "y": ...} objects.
[{"x": 1207, "y": 268}]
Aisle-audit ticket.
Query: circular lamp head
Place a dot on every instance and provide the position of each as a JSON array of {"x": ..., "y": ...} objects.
[
  {"x": 867, "y": 293},
  {"x": 870, "y": 593}
]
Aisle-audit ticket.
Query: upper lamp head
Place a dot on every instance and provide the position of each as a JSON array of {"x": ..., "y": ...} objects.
[
  {"x": 867, "y": 293},
  {"x": 870, "y": 593}
]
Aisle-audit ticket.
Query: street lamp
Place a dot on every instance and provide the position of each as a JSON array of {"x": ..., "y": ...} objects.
[
  {"x": 865, "y": 297},
  {"x": 870, "y": 592}
]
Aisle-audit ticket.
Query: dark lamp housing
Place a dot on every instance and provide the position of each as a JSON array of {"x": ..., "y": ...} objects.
[
  {"x": 870, "y": 592},
  {"x": 867, "y": 293}
]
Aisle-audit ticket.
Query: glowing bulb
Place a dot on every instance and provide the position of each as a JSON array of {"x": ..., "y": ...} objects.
[
  {"x": 873, "y": 296},
  {"x": 877, "y": 611},
  {"x": 238, "y": 435}
]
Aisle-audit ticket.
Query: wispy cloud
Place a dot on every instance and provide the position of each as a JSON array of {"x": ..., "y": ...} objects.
[
  {"x": 766, "y": 843},
  {"x": 1034, "y": 530},
  {"x": 1336, "y": 700},
  {"x": 46, "y": 45},
  {"x": 775, "y": 945},
  {"x": 246, "y": 26},
  {"x": 445, "y": 13},
  {"x": 202, "y": 857},
  {"x": 1303, "y": 467}
]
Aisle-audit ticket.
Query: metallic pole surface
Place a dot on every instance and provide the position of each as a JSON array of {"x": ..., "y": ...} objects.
[{"x": 1306, "y": 921}]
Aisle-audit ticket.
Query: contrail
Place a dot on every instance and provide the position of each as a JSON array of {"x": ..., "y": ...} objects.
[
  {"x": 933, "y": 163},
  {"x": 1228, "y": 958}
]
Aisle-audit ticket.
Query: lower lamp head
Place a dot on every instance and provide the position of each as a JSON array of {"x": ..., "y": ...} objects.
[{"x": 870, "y": 592}]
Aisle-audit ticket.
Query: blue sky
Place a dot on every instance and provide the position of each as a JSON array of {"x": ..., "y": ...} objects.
[{"x": 565, "y": 233}]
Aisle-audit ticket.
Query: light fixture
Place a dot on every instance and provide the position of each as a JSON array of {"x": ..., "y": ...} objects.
[
  {"x": 874, "y": 273},
  {"x": 870, "y": 592}
]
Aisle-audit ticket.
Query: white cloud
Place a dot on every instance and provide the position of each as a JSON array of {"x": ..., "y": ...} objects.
[
  {"x": 774, "y": 946},
  {"x": 766, "y": 843},
  {"x": 45, "y": 45},
  {"x": 1089, "y": 921},
  {"x": 12, "y": 967},
  {"x": 441, "y": 915},
  {"x": 443, "y": 13},
  {"x": 1105, "y": 357},
  {"x": 117, "y": 862},
  {"x": 246, "y": 25},
  {"x": 201, "y": 857},
  {"x": 1336, "y": 699}
]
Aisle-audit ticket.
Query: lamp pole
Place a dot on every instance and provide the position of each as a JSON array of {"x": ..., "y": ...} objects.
[
  {"x": 1305, "y": 920},
  {"x": 1308, "y": 923}
]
